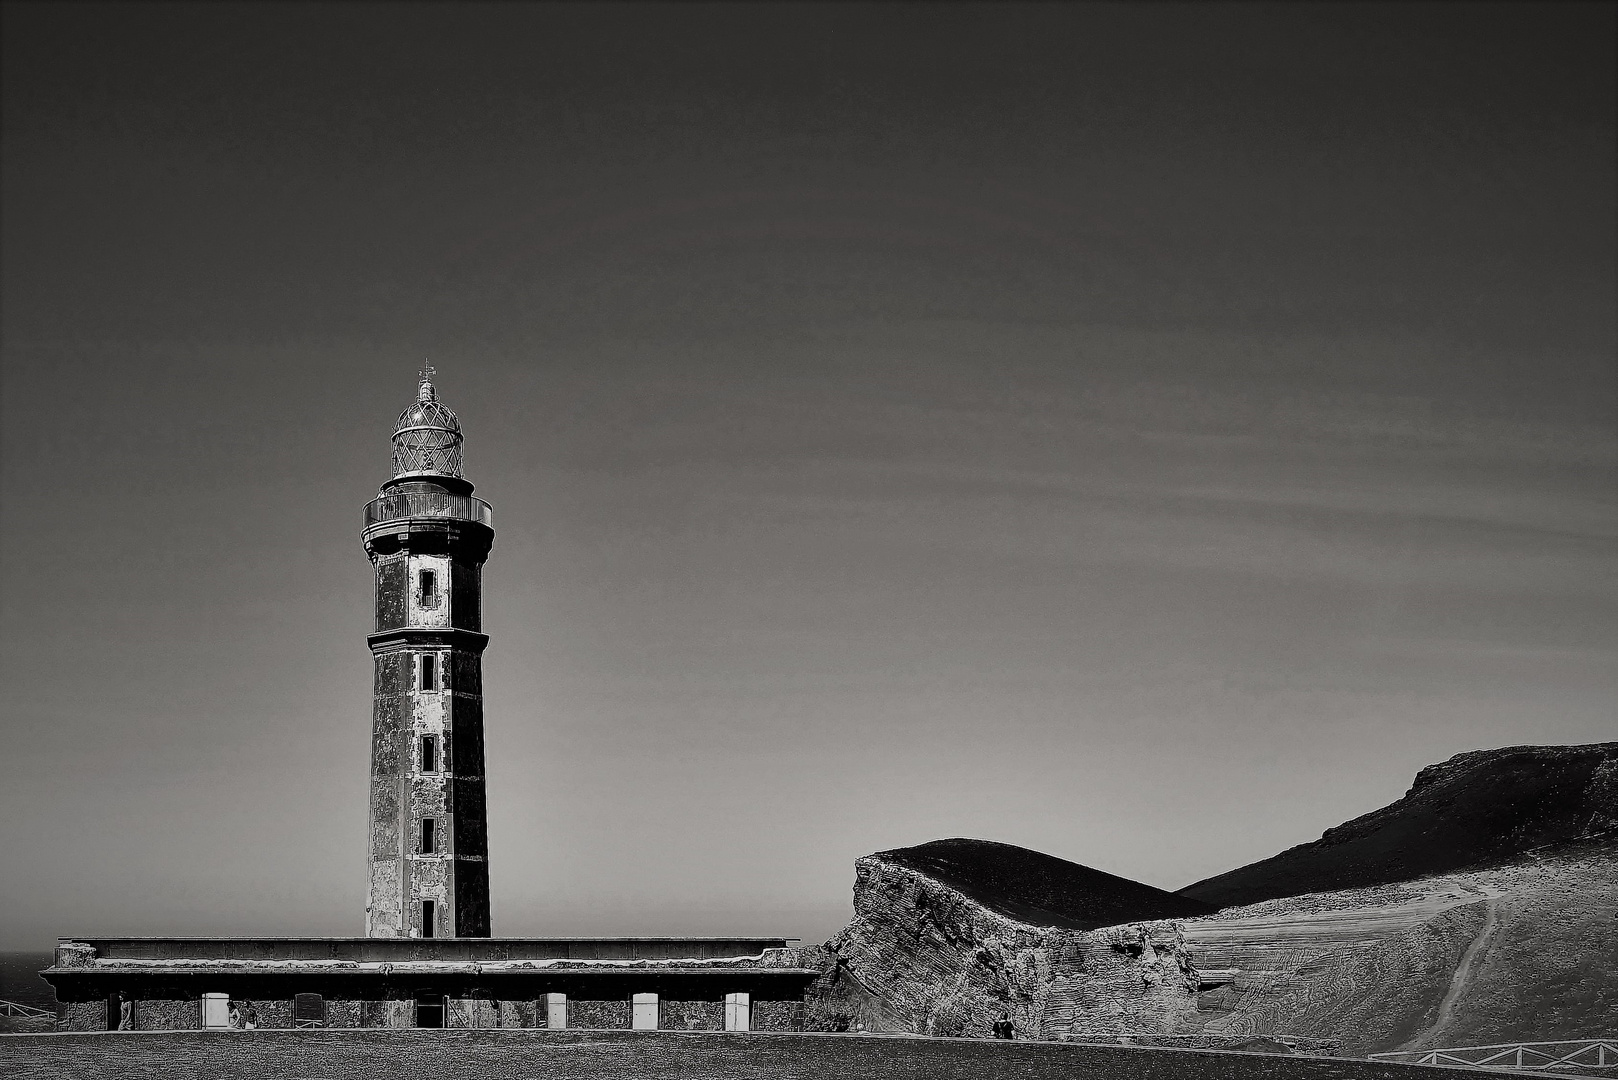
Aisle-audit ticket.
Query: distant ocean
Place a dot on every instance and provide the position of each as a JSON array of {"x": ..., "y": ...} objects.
[{"x": 20, "y": 981}]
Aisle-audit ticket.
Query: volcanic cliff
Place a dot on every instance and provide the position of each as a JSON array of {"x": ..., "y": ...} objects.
[
  {"x": 1478, "y": 908},
  {"x": 949, "y": 934}
]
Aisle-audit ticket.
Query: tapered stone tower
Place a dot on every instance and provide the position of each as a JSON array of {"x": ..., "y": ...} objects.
[{"x": 428, "y": 539}]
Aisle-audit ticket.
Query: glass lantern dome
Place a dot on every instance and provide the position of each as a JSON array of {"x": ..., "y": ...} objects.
[{"x": 427, "y": 439}]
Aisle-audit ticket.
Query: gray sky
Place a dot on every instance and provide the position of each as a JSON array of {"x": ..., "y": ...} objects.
[{"x": 1146, "y": 434}]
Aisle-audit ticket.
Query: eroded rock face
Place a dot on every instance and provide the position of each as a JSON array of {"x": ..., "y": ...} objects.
[{"x": 924, "y": 957}]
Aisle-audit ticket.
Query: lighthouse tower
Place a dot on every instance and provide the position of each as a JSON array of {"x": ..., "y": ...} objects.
[{"x": 428, "y": 539}]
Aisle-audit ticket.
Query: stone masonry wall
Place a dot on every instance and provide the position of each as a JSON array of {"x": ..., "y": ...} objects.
[
  {"x": 522, "y": 1014},
  {"x": 471, "y": 1013},
  {"x": 691, "y": 1015},
  {"x": 165, "y": 1014},
  {"x": 82, "y": 1016},
  {"x": 777, "y": 1015},
  {"x": 266, "y": 1014},
  {"x": 392, "y": 1013},
  {"x": 343, "y": 1014},
  {"x": 598, "y": 1014}
]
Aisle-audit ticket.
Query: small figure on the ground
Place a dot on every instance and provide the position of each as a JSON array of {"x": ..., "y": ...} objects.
[
  {"x": 1004, "y": 1028},
  {"x": 235, "y": 1016}
]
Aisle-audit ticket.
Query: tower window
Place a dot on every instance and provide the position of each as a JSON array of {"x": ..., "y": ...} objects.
[
  {"x": 429, "y": 753},
  {"x": 427, "y": 588},
  {"x": 429, "y": 671},
  {"x": 429, "y": 919},
  {"x": 429, "y": 836}
]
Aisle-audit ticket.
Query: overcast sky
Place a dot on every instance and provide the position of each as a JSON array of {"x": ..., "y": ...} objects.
[{"x": 1144, "y": 434}]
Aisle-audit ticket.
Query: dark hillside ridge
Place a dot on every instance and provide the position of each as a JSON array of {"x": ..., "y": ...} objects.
[
  {"x": 1039, "y": 889},
  {"x": 1481, "y": 808}
]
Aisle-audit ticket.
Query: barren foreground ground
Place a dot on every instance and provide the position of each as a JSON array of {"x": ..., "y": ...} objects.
[{"x": 642, "y": 1055}]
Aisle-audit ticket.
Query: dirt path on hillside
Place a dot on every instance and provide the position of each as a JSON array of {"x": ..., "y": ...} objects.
[{"x": 1460, "y": 980}]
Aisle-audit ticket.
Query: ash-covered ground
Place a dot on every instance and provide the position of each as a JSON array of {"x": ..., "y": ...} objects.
[{"x": 622, "y": 1055}]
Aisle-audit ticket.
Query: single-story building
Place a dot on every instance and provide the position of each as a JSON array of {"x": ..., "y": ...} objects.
[{"x": 687, "y": 984}]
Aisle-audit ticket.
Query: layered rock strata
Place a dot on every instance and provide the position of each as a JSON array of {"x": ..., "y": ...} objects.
[{"x": 923, "y": 956}]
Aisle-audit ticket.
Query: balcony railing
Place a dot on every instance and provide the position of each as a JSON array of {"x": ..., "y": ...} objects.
[{"x": 427, "y": 504}]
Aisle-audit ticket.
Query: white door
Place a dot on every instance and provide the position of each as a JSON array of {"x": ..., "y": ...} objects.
[
  {"x": 216, "y": 1010},
  {"x": 645, "y": 1014},
  {"x": 556, "y": 1011},
  {"x": 738, "y": 1012}
]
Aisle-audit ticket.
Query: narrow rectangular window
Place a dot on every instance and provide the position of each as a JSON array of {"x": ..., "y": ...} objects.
[
  {"x": 215, "y": 1011},
  {"x": 429, "y": 925},
  {"x": 738, "y": 1012},
  {"x": 429, "y": 753},
  {"x": 556, "y": 1011},
  {"x": 428, "y": 582},
  {"x": 429, "y": 671},
  {"x": 644, "y": 1017},
  {"x": 429, "y": 836}
]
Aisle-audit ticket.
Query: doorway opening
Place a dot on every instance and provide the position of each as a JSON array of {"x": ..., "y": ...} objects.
[{"x": 429, "y": 1010}]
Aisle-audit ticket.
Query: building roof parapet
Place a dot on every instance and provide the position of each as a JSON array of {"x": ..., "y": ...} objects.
[
  {"x": 684, "y": 967},
  {"x": 420, "y": 950}
]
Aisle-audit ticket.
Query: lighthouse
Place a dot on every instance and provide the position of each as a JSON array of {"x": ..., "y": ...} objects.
[
  {"x": 427, "y": 539},
  {"x": 428, "y": 858}
]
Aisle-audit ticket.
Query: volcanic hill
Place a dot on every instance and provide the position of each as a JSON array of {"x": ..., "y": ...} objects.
[
  {"x": 1482, "y": 808},
  {"x": 1478, "y": 909},
  {"x": 1039, "y": 889}
]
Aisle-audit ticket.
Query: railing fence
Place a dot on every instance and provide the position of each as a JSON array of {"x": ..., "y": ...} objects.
[{"x": 1566, "y": 1054}]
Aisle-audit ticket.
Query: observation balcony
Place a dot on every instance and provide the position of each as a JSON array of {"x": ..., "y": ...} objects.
[{"x": 435, "y": 506}]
